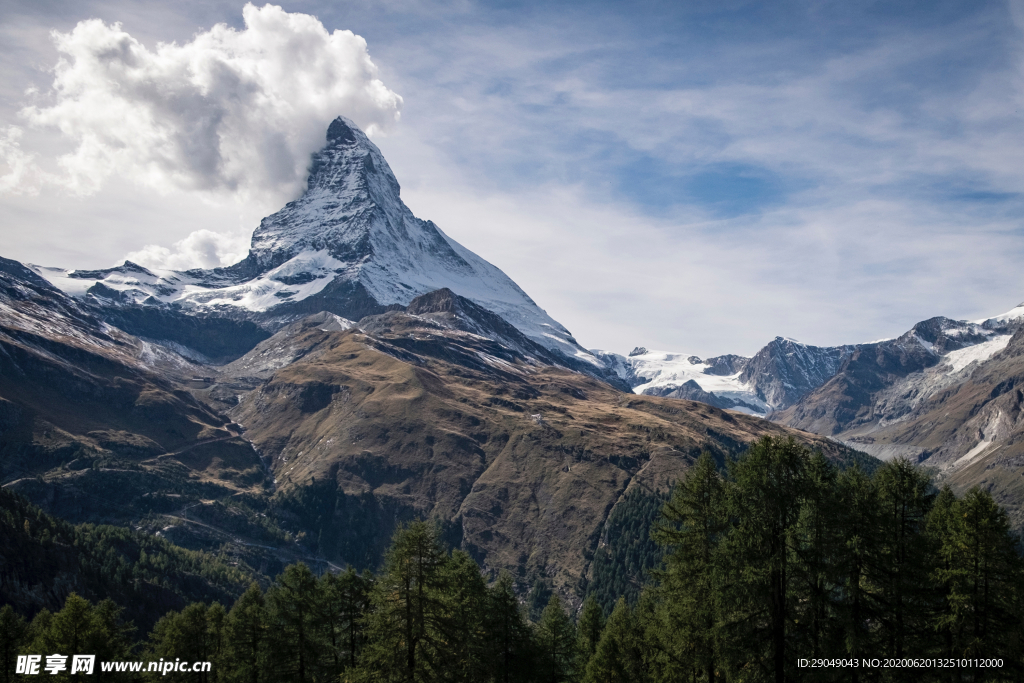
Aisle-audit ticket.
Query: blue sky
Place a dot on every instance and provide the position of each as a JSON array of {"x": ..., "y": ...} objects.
[{"x": 693, "y": 176}]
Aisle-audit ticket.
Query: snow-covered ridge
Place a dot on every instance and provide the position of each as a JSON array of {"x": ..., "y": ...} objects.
[{"x": 1012, "y": 315}]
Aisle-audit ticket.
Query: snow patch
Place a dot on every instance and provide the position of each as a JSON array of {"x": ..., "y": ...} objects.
[{"x": 979, "y": 353}]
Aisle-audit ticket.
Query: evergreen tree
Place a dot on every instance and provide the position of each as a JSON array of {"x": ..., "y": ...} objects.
[
  {"x": 816, "y": 566},
  {"x": 13, "y": 630},
  {"x": 941, "y": 526},
  {"x": 588, "y": 627},
  {"x": 404, "y": 628},
  {"x": 900, "y": 563},
  {"x": 190, "y": 635},
  {"x": 343, "y": 603},
  {"x": 611, "y": 662},
  {"x": 981, "y": 571},
  {"x": 764, "y": 501},
  {"x": 296, "y": 642},
  {"x": 463, "y": 622},
  {"x": 693, "y": 528},
  {"x": 79, "y": 628},
  {"x": 857, "y": 507},
  {"x": 509, "y": 639},
  {"x": 245, "y": 638},
  {"x": 556, "y": 644}
]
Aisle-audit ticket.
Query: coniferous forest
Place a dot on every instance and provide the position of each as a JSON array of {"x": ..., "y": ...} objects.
[{"x": 767, "y": 567}]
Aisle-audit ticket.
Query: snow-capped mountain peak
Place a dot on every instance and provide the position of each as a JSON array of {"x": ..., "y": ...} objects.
[{"x": 348, "y": 245}]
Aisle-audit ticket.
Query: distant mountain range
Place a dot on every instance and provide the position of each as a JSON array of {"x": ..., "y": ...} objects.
[{"x": 944, "y": 394}]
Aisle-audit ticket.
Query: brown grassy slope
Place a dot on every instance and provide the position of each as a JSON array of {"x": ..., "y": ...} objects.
[
  {"x": 97, "y": 414},
  {"x": 528, "y": 459}
]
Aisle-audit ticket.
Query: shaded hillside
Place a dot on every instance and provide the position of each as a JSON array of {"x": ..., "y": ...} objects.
[{"x": 44, "y": 559}]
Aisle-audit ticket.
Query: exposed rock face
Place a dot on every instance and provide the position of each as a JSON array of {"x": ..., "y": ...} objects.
[
  {"x": 882, "y": 383},
  {"x": 785, "y": 370}
]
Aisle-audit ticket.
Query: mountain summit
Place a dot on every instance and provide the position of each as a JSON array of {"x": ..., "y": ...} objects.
[{"x": 348, "y": 245}]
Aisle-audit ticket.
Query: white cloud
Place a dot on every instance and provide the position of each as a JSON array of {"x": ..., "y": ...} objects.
[
  {"x": 201, "y": 249},
  {"x": 23, "y": 176},
  {"x": 233, "y": 113}
]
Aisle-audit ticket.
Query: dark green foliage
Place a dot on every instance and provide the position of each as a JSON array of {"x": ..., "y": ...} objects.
[
  {"x": 295, "y": 625},
  {"x": 246, "y": 638},
  {"x": 622, "y": 655},
  {"x": 405, "y": 629},
  {"x": 589, "y": 627},
  {"x": 689, "y": 595},
  {"x": 981, "y": 572},
  {"x": 901, "y": 563},
  {"x": 351, "y": 529},
  {"x": 344, "y": 598},
  {"x": 82, "y": 628},
  {"x": 788, "y": 558},
  {"x": 13, "y": 630},
  {"x": 196, "y": 634},
  {"x": 538, "y": 598},
  {"x": 556, "y": 645},
  {"x": 145, "y": 574},
  {"x": 623, "y": 563},
  {"x": 764, "y": 502},
  {"x": 510, "y": 647}
]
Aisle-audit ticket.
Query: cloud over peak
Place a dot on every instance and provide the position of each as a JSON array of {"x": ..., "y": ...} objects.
[{"x": 233, "y": 113}]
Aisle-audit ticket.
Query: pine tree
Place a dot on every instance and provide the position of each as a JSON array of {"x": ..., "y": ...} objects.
[
  {"x": 900, "y": 563},
  {"x": 589, "y": 627},
  {"x": 857, "y": 508},
  {"x": 463, "y": 623},
  {"x": 246, "y": 636},
  {"x": 296, "y": 642},
  {"x": 79, "y": 628},
  {"x": 620, "y": 655},
  {"x": 509, "y": 639},
  {"x": 765, "y": 501},
  {"x": 189, "y": 636},
  {"x": 405, "y": 641},
  {"x": 693, "y": 528},
  {"x": 556, "y": 644},
  {"x": 343, "y": 603},
  {"x": 981, "y": 570},
  {"x": 941, "y": 527},
  {"x": 216, "y": 621},
  {"x": 816, "y": 562},
  {"x": 13, "y": 630}
]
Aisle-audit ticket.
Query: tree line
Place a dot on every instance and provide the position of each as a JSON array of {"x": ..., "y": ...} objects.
[{"x": 778, "y": 557}]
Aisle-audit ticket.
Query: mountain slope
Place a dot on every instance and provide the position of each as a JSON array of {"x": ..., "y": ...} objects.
[
  {"x": 522, "y": 461},
  {"x": 96, "y": 424}
]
